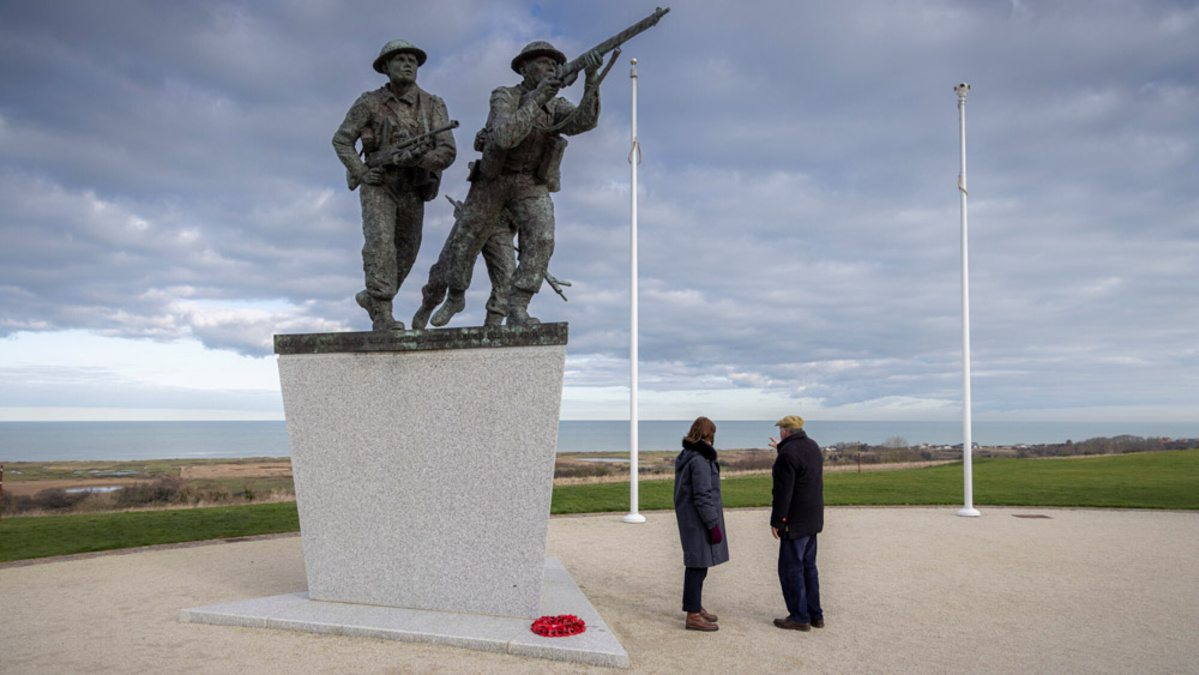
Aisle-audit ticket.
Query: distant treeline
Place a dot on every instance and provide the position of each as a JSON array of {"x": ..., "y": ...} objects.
[
  {"x": 897, "y": 449},
  {"x": 1108, "y": 446}
]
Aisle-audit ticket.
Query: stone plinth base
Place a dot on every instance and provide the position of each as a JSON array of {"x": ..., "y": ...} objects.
[
  {"x": 423, "y": 464},
  {"x": 596, "y": 646}
]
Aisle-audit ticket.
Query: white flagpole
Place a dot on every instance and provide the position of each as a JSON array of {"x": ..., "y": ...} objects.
[
  {"x": 967, "y": 442},
  {"x": 633, "y": 516}
]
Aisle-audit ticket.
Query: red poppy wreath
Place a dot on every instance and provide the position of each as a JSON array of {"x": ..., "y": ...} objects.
[{"x": 563, "y": 625}]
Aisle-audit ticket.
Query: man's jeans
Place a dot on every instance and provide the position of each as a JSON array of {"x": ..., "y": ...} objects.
[{"x": 799, "y": 579}]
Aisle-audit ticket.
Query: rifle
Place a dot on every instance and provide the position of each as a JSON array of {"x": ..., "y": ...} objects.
[
  {"x": 569, "y": 71},
  {"x": 389, "y": 154}
]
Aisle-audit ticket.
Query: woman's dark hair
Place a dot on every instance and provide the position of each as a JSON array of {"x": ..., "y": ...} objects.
[{"x": 702, "y": 429}]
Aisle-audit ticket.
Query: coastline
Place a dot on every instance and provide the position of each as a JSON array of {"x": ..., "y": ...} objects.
[{"x": 124, "y": 441}]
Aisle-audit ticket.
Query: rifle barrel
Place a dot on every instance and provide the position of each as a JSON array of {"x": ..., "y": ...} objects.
[{"x": 615, "y": 41}]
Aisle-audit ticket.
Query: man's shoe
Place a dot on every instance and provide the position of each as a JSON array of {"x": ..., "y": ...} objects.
[
  {"x": 818, "y": 623},
  {"x": 518, "y": 309},
  {"x": 380, "y": 312},
  {"x": 456, "y": 302},
  {"x": 788, "y": 624},
  {"x": 696, "y": 621},
  {"x": 429, "y": 300},
  {"x": 707, "y": 617},
  {"x": 420, "y": 320},
  {"x": 364, "y": 300}
]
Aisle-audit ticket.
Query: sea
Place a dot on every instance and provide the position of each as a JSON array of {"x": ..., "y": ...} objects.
[{"x": 83, "y": 441}]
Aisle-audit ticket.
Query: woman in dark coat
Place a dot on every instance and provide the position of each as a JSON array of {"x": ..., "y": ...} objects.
[{"x": 700, "y": 514}]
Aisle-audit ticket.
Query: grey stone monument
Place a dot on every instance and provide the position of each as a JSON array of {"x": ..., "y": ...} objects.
[{"x": 423, "y": 464}]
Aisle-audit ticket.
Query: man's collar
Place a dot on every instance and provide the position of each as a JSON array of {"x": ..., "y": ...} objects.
[
  {"x": 409, "y": 97},
  {"x": 794, "y": 433}
]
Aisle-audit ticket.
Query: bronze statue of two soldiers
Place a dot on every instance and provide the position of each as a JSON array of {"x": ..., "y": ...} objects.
[{"x": 406, "y": 143}]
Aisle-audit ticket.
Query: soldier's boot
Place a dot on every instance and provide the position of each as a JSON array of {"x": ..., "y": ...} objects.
[
  {"x": 428, "y": 303},
  {"x": 456, "y": 302},
  {"x": 380, "y": 312},
  {"x": 518, "y": 309},
  {"x": 494, "y": 318}
]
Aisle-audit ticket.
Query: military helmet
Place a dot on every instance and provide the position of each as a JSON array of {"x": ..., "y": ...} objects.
[
  {"x": 535, "y": 49},
  {"x": 398, "y": 46}
]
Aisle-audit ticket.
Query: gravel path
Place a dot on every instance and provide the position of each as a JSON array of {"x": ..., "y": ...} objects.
[{"x": 905, "y": 590}]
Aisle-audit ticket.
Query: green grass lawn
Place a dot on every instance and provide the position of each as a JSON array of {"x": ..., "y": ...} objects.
[
  {"x": 1159, "y": 480},
  {"x": 22, "y": 538}
]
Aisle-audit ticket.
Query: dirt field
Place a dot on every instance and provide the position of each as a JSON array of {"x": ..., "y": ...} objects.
[
  {"x": 28, "y": 478},
  {"x": 28, "y": 488},
  {"x": 255, "y": 470}
]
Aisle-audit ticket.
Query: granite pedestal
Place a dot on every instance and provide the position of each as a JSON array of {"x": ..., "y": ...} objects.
[{"x": 423, "y": 464}]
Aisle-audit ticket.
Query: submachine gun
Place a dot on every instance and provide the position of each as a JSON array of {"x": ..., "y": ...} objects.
[{"x": 389, "y": 153}]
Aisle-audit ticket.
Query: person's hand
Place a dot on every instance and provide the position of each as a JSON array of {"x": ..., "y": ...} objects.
[
  {"x": 372, "y": 177},
  {"x": 411, "y": 156},
  {"x": 774, "y": 444},
  {"x": 592, "y": 60},
  {"x": 715, "y": 536},
  {"x": 547, "y": 89},
  {"x": 775, "y": 532}
]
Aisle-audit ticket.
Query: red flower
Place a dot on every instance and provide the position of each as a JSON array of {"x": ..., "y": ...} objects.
[{"x": 563, "y": 625}]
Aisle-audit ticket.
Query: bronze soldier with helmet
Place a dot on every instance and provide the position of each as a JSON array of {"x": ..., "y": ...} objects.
[
  {"x": 394, "y": 184},
  {"x": 522, "y": 146}
]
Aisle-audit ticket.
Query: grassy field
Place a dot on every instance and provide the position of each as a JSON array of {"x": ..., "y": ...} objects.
[
  {"x": 1159, "y": 480},
  {"x": 22, "y": 538}
]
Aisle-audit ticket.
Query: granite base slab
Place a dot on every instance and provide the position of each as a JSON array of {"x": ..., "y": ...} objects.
[
  {"x": 596, "y": 646},
  {"x": 424, "y": 463}
]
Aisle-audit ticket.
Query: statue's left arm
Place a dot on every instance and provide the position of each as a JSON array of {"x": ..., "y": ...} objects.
[
  {"x": 356, "y": 122},
  {"x": 586, "y": 116}
]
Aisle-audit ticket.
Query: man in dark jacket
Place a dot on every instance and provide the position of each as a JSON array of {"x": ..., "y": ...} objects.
[{"x": 796, "y": 516}]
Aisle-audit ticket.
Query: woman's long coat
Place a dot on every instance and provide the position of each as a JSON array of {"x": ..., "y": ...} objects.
[{"x": 697, "y": 505}]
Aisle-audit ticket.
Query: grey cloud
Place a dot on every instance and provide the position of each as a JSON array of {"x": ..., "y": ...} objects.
[{"x": 798, "y": 206}]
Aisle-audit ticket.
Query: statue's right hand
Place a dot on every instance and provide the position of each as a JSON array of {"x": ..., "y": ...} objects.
[
  {"x": 372, "y": 177},
  {"x": 547, "y": 89}
]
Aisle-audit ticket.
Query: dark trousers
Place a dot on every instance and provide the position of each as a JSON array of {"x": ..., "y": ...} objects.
[
  {"x": 799, "y": 579},
  {"x": 693, "y": 589},
  {"x": 392, "y": 220}
]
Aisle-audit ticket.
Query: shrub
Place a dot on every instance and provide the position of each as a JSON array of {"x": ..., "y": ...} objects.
[
  {"x": 752, "y": 460},
  {"x": 590, "y": 471},
  {"x": 55, "y": 499},
  {"x": 164, "y": 490}
]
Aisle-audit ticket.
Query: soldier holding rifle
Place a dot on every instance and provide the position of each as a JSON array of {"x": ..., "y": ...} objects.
[
  {"x": 407, "y": 142},
  {"x": 522, "y": 146}
]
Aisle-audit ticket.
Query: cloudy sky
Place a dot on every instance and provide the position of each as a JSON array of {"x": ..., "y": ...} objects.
[{"x": 169, "y": 200}]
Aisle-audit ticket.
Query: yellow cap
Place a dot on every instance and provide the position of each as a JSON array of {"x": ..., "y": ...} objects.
[{"x": 790, "y": 422}]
